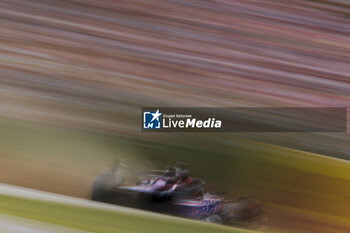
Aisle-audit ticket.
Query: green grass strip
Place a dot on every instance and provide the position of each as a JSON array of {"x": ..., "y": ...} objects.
[{"x": 102, "y": 221}]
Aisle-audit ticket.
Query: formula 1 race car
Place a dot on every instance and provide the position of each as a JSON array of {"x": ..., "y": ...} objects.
[{"x": 174, "y": 192}]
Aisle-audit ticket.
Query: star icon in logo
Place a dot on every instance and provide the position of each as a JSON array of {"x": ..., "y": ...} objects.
[{"x": 156, "y": 115}]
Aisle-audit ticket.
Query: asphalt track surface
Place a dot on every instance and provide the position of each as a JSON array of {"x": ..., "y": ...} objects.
[
  {"x": 21, "y": 192},
  {"x": 10, "y": 224},
  {"x": 15, "y": 224}
]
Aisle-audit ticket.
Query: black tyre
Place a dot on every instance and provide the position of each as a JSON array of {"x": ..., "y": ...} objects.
[
  {"x": 102, "y": 189},
  {"x": 213, "y": 219}
]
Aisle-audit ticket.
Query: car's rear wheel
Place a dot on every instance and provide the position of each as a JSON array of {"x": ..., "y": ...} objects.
[
  {"x": 244, "y": 212},
  {"x": 102, "y": 189},
  {"x": 213, "y": 219}
]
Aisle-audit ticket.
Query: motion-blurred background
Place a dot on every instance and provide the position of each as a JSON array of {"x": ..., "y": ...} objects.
[{"x": 74, "y": 75}]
